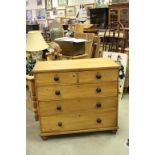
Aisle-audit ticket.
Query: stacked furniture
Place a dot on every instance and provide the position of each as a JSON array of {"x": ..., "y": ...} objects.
[{"x": 76, "y": 96}]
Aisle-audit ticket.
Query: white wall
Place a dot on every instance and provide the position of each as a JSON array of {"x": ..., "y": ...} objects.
[{"x": 32, "y": 5}]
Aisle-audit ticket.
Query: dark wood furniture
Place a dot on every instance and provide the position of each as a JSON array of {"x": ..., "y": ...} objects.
[
  {"x": 31, "y": 27},
  {"x": 119, "y": 12},
  {"x": 70, "y": 48},
  {"x": 114, "y": 38},
  {"x": 99, "y": 16}
]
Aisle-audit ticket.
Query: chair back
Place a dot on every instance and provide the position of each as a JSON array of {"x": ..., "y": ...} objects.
[
  {"x": 96, "y": 47},
  {"x": 114, "y": 38}
]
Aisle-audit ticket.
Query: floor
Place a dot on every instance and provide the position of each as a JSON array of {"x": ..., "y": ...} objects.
[{"x": 103, "y": 143}]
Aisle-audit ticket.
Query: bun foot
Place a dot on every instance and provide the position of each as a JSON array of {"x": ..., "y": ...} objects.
[
  {"x": 44, "y": 137},
  {"x": 114, "y": 131}
]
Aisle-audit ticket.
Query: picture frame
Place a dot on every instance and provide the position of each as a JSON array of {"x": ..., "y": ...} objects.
[
  {"x": 118, "y": 1},
  {"x": 88, "y": 7},
  {"x": 121, "y": 59},
  {"x": 54, "y": 10},
  {"x": 48, "y": 16},
  {"x": 40, "y": 14},
  {"x": 28, "y": 15},
  {"x": 62, "y": 2},
  {"x": 39, "y": 2},
  {"x": 27, "y": 3},
  {"x": 70, "y": 11},
  {"x": 61, "y": 13},
  {"x": 48, "y": 5}
]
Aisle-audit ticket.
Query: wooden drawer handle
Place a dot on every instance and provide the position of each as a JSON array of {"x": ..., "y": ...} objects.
[
  {"x": 59, "y": 124},
  {"x": 98, "y": 76},
  {"x": 59, "y": 108},
  {"x": 56, "y": 78},
  {"x": 98, "y": 90},
  {"x": 57, "y": 92},
  {"x": 98, "y": 104},
  {"x": 98, "y": 120}
]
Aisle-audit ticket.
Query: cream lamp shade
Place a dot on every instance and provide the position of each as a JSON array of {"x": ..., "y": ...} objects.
[{"x": 35, "y": 41}]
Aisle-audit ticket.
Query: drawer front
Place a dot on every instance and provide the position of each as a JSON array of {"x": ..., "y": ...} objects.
[
  {"x": 98, "y": 76},
  {"x": 56, "y": 78},
  {"x": 48, "y": 108},
  {"x": 77, "y": 91},
  {"x": 80, "y": 121}
]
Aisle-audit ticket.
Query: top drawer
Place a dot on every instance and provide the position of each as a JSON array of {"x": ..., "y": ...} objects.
[
  {"x": 56, "y": 78},
  {"x": 98, "y": 76}
]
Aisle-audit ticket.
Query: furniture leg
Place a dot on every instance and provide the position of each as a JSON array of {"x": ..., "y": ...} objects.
[{"x": 34, "y": 100}]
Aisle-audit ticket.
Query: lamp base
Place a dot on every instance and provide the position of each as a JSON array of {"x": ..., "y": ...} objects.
[{"x": 37, "y": 55}]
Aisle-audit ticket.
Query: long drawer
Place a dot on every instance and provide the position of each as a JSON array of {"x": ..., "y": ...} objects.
[
  {"x": 79, "y": 121},
  {"x": 76, "y": 91},
  {"x": 61, "y": 107}
]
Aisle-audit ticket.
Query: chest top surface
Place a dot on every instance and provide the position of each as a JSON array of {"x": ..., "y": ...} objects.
[{"x": 78, "y": 64}]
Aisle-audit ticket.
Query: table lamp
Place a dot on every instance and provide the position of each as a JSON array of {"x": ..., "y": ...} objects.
[{"x": 35, "y": 43}]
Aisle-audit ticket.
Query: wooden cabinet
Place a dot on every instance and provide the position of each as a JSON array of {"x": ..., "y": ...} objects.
[
  {"x": 120, "y": 13},
  {"x": 32, "y": 27},
  {"x": 76, "y": 95}
]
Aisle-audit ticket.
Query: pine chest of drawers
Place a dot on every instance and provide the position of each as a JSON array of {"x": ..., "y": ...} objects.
[{"x": 76, "y": 95}]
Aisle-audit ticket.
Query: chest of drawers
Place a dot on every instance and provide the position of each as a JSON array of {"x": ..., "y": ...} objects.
[{"x": 76, "y": 95}]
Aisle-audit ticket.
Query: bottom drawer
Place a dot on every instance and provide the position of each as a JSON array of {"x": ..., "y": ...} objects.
[{"x": 81, "y": 121}]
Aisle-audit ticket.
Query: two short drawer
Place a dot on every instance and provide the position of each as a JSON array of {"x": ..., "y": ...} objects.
[
  {"x": 78, "y": 121},
  {"x": 54, "y": 107},
  {"x": 76, "y": 77}
]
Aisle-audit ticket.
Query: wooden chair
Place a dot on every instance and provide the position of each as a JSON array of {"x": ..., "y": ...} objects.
[
  {"x": 114, "y": 38},
  {"x": 31, "y": 101},
  {"x": 96, "y": 47}
]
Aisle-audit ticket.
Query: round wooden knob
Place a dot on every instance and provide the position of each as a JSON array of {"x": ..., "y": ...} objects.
[
  {"x": 98, "y": 104},
  {"x": 98, "y": 76},
  {"x": 98, "y": 90},
  {"x": 59, "y": 108},
  {"x": 56, "y": 78},
  {"x": 59, "y": 124},
  {"x": 98, "y": 120},
  {"x": 57, "y": 92}
]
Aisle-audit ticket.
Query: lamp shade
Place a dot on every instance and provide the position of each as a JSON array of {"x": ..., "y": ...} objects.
[{"x": 35, "y": 41}]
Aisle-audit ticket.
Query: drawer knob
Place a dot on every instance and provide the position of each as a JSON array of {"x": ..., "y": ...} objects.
[
  {"x": 98, "y": 104},
  {"x": 56, "y": 78},
  {"x": 98, "y": 90},
  {"x": 57, "y": 92},
  {"x": 98, "y": 120},
  {"x": 98, "y": 76},
  {"x": 59, "y": 108},
  {"x": 59, "y": 124}
]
